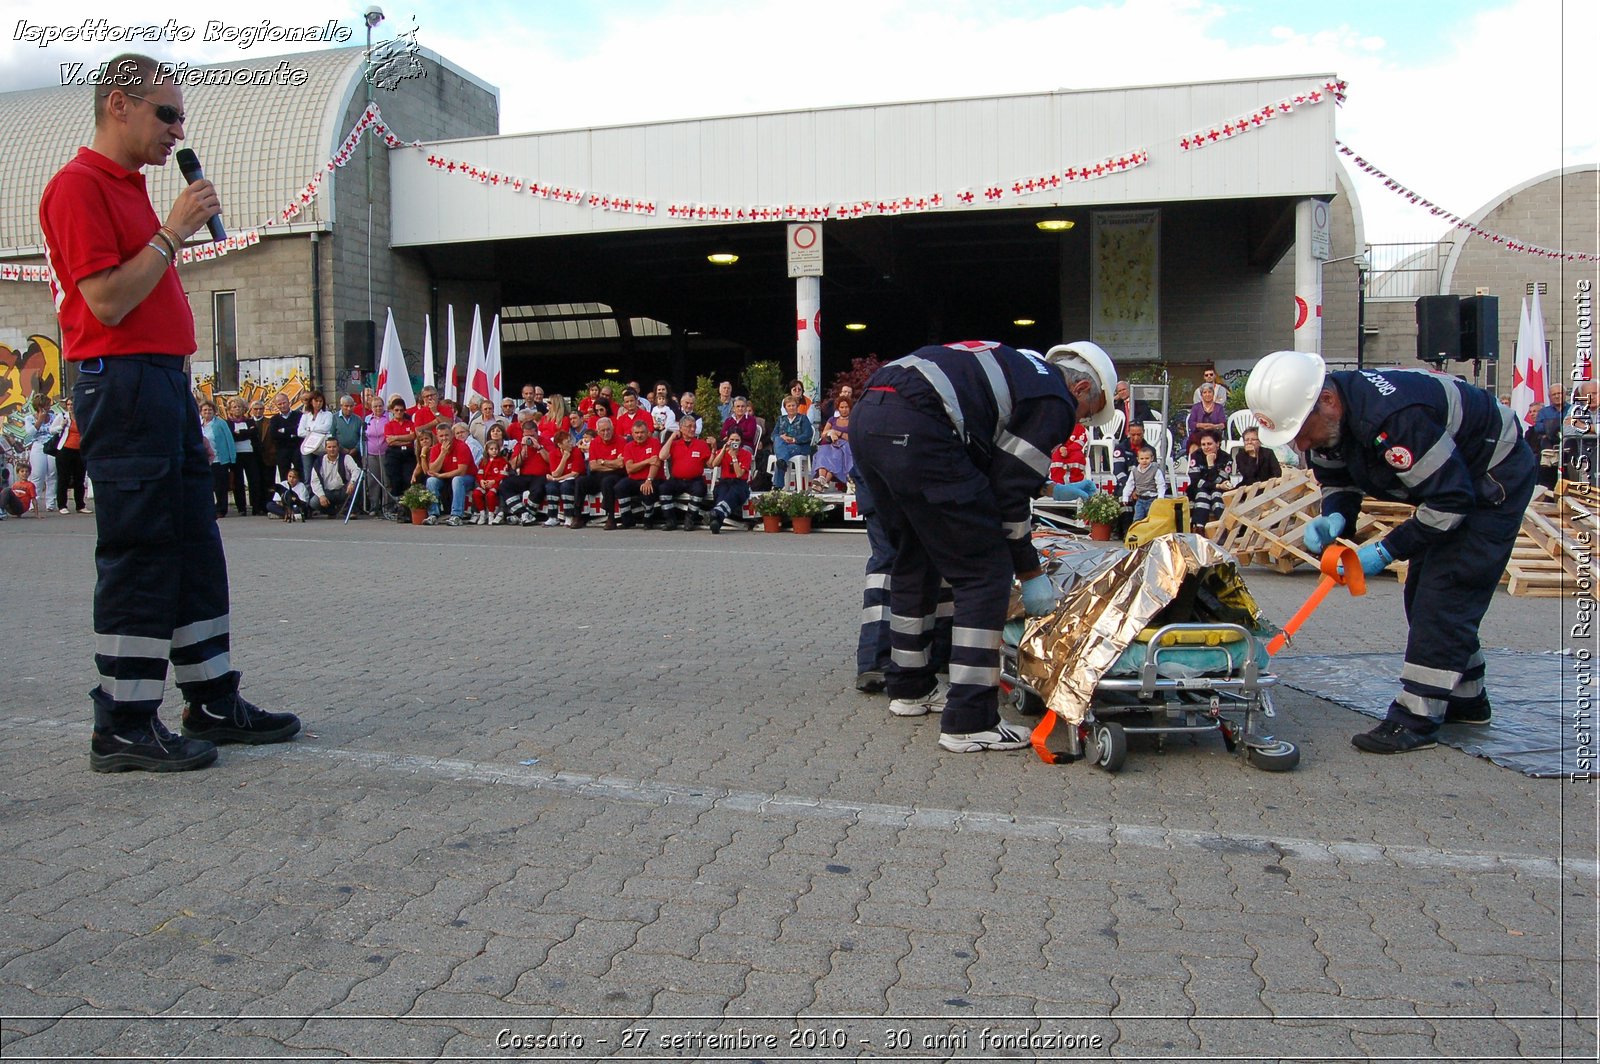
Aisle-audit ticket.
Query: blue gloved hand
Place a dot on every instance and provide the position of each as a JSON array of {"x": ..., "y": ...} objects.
[
  {"x": 1374, "y": 559},
  {"x": 1038, "y": 596},
  {"x": 1067, "y": 492},
  {"x": 1323, "y": 531}
]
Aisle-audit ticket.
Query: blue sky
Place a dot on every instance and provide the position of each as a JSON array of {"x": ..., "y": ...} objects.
[{"x": 1460, "y": 100}]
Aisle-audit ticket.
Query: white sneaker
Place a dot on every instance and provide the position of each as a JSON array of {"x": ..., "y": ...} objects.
[
  {"x": 497, "y": 518},
  {"x": 552, "y": 522},
  {"x": 527, "y": 518},
  {"x": 1003, "y": 736},
  {"x": 932, "y": 702},
  {"x": 64, "y": 511}
]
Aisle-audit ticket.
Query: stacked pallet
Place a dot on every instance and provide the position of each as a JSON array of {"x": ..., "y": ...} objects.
[{"x": 1556, "y": 546}]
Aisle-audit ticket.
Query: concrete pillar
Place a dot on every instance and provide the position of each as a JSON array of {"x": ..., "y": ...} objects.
[
  {"x": 1307, "y": 281},
  {"x": 808, "y": 335}
]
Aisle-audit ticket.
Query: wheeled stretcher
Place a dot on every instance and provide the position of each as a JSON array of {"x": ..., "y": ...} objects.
[{"x": 1139, "y": 666}]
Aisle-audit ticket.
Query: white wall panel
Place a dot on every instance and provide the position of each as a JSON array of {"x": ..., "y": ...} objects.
[{"x": 878, "y": 152}]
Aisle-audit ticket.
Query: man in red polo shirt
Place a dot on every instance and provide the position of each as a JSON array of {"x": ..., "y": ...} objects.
[
  {"x": 687, "y": 458},
  {"x": 630, "y": 412},
  {"x": 605, "y": 470},
  {"x": 162, "y": 579},
  {"x": 641, "y": 460},
  {"x": 522, "y": 493}
]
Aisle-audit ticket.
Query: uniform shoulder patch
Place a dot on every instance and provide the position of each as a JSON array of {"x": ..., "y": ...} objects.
[{"x": 1399, "y": 457}]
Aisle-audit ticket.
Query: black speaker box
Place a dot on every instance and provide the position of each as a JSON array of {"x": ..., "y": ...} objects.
[
  {"x": 360, "y": 345},
  {"x": 1439, "y": 328},
  {"x": 1480, "y": 327}
]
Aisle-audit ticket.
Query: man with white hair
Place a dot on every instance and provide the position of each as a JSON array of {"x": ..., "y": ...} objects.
[{"x": 954, "y": 442}]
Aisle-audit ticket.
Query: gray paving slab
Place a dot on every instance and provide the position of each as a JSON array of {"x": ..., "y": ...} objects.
[{"x": 619, "y": 787}]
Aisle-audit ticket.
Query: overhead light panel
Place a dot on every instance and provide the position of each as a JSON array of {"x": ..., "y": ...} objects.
[
  {"x": 1022, "y": 321},
  {"x": 722, "y": 258},
  {"x": 855, "y": 326},
  {"x": 1055, "y": 225}
]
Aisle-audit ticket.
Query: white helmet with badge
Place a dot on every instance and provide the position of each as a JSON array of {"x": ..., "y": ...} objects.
[
  {"x": 1282, "y": 391},
  {"x": 1088, "y": 357}
]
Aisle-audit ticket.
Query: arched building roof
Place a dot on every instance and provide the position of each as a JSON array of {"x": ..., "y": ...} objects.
[
  {"x": 1552, "y": 239},
  {"x": 260, "y": 143}
]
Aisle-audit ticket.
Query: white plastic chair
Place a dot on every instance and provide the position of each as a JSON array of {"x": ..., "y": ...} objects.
[
  {"x": 1157, "y": 436},
  {"x": 797, "y": 476},
  {"x": 1102, "y": 442},
  {"x": 1238, "y": 421}
]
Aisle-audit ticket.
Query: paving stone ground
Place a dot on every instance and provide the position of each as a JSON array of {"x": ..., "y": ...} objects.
[{"x": 573, "y": 795}]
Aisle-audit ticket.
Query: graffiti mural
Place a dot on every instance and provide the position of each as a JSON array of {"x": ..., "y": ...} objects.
[
  {"x": 35, "y": 368},
  {"x": 251, "y": 391}
]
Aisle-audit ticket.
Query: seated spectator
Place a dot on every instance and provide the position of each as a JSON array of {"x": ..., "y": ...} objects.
[
  {"x": 428, "y": 408},
  {"x": 637, "y": 497},
  {"x": 791, "y": 437},
  {"x": 483, "y": 419},
  {"x": 1208, "y": 476},
  {"x": 449, "y": 473},
  {"x": 1125, "y": 453},
  {"x": 1146, "y": 483},
  {"x": 631, "y": 411},
  {"x": 332, "y": 476},
  {"x": 580, "y": 431},
  {"x": 1219, "y": 390},
  {"x": 554, "y": 419},
  {"x": 742, "y": 420},
  {"x": 797, "y": 391},
  {"x": 733, "y": 480},
  {"x": 460, "y": 431},
  {"x": 724, "y": 400},
  {"x": 1256, "y": 464},
  {"x": 486, "y": 487},
  {"x": 686, "y": 408},
  {"x": 833, "y": 461},
  {"x": 1134, "y": 411},
  {"x": 687, "y": 460},
  {"x": 17, "y": 497},
  {"x": 522, "y": 493},
  {"x": 662, "y": 407},
  {"x": 526, "y": 423},
  {"x": 566, "y": 468},
  {"x": 605, "y": 472},
  {"x": 831, "y": 407},
  {"x": 586, "y": 404},
  {"x": 289, "y": 499},
  {"x": 1069, "y": 463},
  {"x": 1206, "y": 416}
]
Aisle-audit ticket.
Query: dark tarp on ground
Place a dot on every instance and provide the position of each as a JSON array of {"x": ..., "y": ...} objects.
[{"x": 1535, "y": 697}]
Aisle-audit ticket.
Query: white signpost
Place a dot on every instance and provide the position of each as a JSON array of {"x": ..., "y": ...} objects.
[{"x": 805, "y": 266}]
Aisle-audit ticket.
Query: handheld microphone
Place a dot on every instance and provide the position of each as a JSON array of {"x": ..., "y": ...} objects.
[{"x": 189, "y": 166}]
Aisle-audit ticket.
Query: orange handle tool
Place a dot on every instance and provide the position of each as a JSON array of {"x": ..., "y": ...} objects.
[{"x": 1338, "y": 553}]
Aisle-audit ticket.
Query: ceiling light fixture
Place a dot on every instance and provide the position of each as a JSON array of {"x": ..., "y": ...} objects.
[
  {"x": 722, "y": 258},
  {"x": 1055, "y": 225},
  {"x": 855, "y": 326},
  {"x": 1022, "y": 321}
]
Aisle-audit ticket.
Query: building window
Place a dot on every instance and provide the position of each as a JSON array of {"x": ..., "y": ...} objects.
[{"x": 224, "y": 342}]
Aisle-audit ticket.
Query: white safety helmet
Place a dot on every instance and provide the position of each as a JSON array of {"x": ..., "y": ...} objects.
[
  {"x": 1282, "y": 391},
  {"x": 1088, "y": 356}
]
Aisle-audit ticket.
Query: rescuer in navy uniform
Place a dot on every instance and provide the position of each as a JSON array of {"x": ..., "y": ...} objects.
[
  {"x": 1438, "y": 442},
  {"x": 954, "y": 442}
]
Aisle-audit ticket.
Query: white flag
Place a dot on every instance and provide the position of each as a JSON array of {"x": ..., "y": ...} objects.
[
  {"x": 393, "y": 378},
  {"x": 477, "y": 385},
  {"x": 1528, "y": 385},
  {"x": 491, "y": 364},
  {"x": 427, "y": 352},
  {"x": 450, "y": 353}
]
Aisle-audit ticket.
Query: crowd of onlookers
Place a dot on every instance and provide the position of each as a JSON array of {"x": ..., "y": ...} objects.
[{"x": 646, "y": 457}]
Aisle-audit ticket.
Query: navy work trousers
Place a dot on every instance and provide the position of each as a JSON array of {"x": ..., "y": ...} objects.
[
  {"x": 161, "y": 587},
  {"x": 941, "y": 516},
  {"x": 1449, "y": 586}
]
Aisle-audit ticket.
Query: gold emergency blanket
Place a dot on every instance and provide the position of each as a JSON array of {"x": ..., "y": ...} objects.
[{"x": 1109, "y": 595}]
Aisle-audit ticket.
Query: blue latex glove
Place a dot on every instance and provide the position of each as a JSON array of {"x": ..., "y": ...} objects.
[
  {"x": 1323, "y": 531},
  {"x": 1038, "y": 596},
  {"x": 1068, "y": 492},
  {"x": 1374, "y": 559}
]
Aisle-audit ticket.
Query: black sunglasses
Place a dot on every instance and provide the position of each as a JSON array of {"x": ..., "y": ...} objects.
[{"x": 164, "y": 111}]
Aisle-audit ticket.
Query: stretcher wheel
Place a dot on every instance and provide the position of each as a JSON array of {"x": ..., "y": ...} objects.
[
  {"x": 1277, "y": 756},
  {"x": 1025, "y": 702},
  {"x": 1110, "y": 745}
]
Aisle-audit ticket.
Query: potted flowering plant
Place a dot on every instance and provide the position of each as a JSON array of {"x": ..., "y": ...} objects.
[
  {"x": 1100, "y": 511},
  {"x": 419, "y": 500},
  {"x": 771, "y": 506},
  {"x": 801, "y": 507}
]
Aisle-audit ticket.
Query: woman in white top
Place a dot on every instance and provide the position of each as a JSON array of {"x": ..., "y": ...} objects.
[{"x": 316, "y": 425}]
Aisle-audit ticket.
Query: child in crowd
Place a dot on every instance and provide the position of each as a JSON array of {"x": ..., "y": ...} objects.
[
  {"x": 17, "y": 498},
  {"x": 1146, "y": 482},
  {"x": 733, "y": 482},
  {"x": 491, "y": 472},
  {"x": 290, "y": 499},
  {"x": 1069, "y": 462}
]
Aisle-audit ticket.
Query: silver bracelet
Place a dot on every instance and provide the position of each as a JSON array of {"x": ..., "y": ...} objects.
[{"x": 162, "y": 250}]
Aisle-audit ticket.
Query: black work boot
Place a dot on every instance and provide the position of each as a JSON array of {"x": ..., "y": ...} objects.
[
  {"x": 233, "y": 720},
  {"x": 147, "y": 747},
  {"x": 1393, "y": 737},
  {"x": 1476, "y": 711}
]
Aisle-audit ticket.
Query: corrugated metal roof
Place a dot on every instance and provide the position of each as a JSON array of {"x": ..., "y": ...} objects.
[{"x": 259, "y": 143}]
